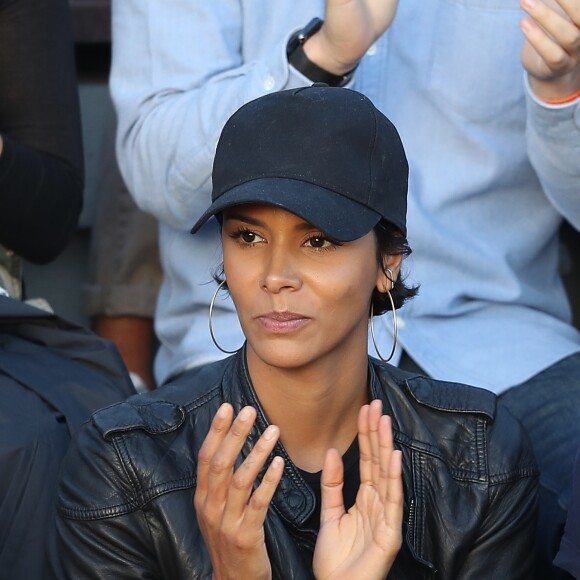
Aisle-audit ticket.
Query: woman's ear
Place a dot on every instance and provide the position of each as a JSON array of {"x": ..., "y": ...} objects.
[{"x": 391, "y": 265}]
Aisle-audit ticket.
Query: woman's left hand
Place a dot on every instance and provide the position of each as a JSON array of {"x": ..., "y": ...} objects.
[
  {"x": 551, "y": 53},
  {"x": 363, "y": 542}
]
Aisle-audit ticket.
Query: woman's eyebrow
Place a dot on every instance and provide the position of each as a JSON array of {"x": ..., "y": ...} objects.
[{"x": 232, "y": 215}]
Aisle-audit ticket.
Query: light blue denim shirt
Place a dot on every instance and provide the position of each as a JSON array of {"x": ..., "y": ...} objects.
[{"x": 493, "y": 171}]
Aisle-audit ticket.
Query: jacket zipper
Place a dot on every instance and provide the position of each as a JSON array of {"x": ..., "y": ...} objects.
[{"x": 411, "y": 521}]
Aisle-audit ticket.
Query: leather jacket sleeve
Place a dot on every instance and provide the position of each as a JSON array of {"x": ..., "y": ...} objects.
[
  {"x": 92, "y": 545},
  {"x": 511, "y": 514},
  {"x": 474, "y": 488}
]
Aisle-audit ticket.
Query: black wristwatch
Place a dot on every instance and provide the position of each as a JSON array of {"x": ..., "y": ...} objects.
[{"x": 298, "y": 59}]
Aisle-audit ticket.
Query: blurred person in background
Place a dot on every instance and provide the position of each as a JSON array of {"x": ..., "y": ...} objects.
[{"x": 53, "y": 374}]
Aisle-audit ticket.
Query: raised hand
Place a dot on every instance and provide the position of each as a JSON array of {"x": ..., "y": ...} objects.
[
  {"x": 350, "y": 28},
  {"x": 551, "y": 53},
  {"x": 363, "y": 542},
  {"x": 230, "y": 515}
]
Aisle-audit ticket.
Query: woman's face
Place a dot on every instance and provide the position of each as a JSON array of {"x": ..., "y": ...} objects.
[{"x": 300, "y": 297}]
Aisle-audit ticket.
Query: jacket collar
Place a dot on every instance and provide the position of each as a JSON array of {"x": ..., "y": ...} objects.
[{"x": 294, "y": 500}]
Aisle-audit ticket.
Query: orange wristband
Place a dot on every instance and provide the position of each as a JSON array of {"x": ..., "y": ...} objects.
[{"x": 569, "y": 99}]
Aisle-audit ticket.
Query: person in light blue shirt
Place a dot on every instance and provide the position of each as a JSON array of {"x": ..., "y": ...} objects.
[{"x": 485, "y": 94}]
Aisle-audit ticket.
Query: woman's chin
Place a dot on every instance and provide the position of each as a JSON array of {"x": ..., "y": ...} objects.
[{"x": 283, "y": 354}]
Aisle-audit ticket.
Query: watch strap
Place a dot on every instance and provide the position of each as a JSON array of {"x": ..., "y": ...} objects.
[{"x": 298, "y": 59}]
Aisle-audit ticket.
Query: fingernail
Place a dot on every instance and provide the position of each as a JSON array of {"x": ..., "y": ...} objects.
[
  {"x": 270, "y": 433},
  {"x": 527, "y": 25},
  {"x": 244, "y": 414},
  {"x": 529, "y": 3},
  {"x": 222, "y": 411}
]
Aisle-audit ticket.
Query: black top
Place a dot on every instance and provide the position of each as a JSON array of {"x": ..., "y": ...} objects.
[
  {"x": 351, "y": 484},
  {"x": 41, "y": 166}
]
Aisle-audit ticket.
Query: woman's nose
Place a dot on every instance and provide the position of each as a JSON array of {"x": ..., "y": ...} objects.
[{"x": 280, "y": 272}]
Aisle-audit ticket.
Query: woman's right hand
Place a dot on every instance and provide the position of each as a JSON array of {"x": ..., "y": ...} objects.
[{"x": 230, "y": 515}]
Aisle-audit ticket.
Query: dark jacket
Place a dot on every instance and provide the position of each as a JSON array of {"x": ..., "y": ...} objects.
[
  {"x": 568, "y": 557},
  {"x": 53, "y": 376},
  {"x": 125, "y": 500}
]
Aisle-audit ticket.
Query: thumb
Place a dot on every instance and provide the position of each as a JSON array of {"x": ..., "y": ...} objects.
[{"x": 331, "y": 484}]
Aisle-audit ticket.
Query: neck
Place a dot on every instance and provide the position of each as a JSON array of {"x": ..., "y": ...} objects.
[{"x": 315, "y": 407}]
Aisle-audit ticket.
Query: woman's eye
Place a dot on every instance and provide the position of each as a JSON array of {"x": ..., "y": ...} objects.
[
  {"x": 248, "y": 237},
  {"x": 318, "y": 242}
]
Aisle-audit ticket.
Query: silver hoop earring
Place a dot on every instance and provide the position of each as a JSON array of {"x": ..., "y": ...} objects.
[
  {"x": 211, "y": 304},
  {"x": 395, "y": 328}
]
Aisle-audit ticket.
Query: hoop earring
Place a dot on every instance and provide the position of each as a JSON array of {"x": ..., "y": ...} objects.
[
  {"x": 211, "y": 304},
  {"x": 391, "y": 280},
  {"x": 395, "y": 327}
]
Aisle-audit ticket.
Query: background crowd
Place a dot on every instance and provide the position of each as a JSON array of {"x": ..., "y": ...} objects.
[{"x": 494, "y": 149}]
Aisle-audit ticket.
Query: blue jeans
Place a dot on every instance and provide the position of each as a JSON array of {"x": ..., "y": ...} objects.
[{"x": 548, "y": 406}]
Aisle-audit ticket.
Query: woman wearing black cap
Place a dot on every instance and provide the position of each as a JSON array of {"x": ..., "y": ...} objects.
[{"x": 234, "y": 469}]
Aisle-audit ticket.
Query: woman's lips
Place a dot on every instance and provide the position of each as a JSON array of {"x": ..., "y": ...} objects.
[{"x": 282, "y": 322}]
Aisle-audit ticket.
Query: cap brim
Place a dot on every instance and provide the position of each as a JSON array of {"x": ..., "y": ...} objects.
[{"x": 341, "y": 218}]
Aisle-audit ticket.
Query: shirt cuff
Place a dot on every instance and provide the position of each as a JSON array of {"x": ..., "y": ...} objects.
[
  {"x": 543, "y": 103},
  {"x": 550, "y": 119}
]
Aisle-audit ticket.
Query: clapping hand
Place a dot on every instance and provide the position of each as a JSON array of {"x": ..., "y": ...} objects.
[
  {"x": 360, "y": 543},
  {"x": 551, "y": 53},
  {"x": 230, "y": 513},
  {"x": 363, "y": 542},
  {"x": 350, "y": 28}
]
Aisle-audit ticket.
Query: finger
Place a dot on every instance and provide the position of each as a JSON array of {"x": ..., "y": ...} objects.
[
  {"x": 219, "y": 427},
  {"x": 245, "y": 476},
  {"x": 221, "y": 466},
  {"x": 552, "y": 32},
  {"x": 257, "y": 509},
  {"x": 394, "y": 500},
  {"x": 572, "y": 9},
  {"x": 375, "y": 414},
  {"x": 553, "y": 58},
  {"x": 385, "y": 452},
  {"x": 364, "y": 446},
  {"x": 331, "y": 484}
]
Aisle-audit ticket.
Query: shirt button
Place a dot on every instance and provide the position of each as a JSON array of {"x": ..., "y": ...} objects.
[
  {"x": 401, "y": 323},
  {"x": 269, "y": 83},
  {"x": 372, "y": 50}
]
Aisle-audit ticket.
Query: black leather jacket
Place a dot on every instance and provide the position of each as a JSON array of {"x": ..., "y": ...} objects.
[{"x": 125, "y": 500}]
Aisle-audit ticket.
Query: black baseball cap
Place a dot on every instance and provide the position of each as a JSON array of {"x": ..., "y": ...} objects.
[{"x": 326, "y": 154}]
